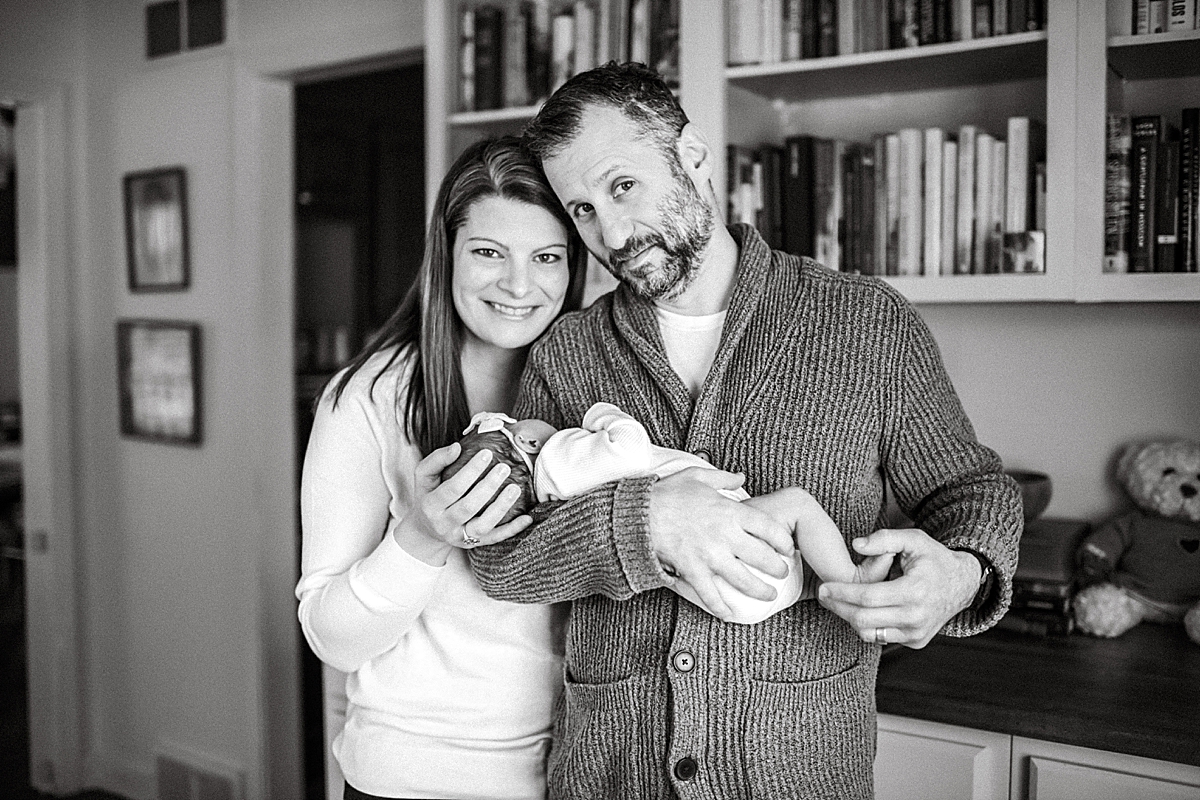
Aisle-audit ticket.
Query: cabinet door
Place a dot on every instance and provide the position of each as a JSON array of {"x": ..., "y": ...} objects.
[
  {"x": 1049, "y": 771},
  {"x": 930, "y": 761}
]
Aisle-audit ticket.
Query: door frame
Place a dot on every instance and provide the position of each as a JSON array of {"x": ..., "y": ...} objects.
[{"x": 44, "y": 329}]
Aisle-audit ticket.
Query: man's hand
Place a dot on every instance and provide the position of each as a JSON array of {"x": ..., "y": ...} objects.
[
  {"x": 698, "y": 533},
  {"x": 936, "y": 584}
]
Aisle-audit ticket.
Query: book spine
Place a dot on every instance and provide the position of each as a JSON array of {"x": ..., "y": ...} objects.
[
  {"x": 771, "y": 158},
  {"x": 466, "y": 59},
  {"x": 562, "y": 49},
  {"x": 892, "y": 257},
  {"x": 881, "y": 206},
  {"x": 537, "y": 48},
  {"x": 1166, "y": 211},
  {"x": 964, "y": 249},
  {"x": 962, "y": 16},
  {"x": 851, "y": 222},
  {"x": 1181, "y": 15},
  {"x": 827, "y": 28},
  {"x": 769, "y": 21},
  {"x": 1143, "y": 169},
  {"x": 798, "y": 227},
  {"x": 999, "y": 17},
  {"x": 1189, "y": 191},
  {"x": 866, "y": 207},
  {"x": 489, "y": 57},
  {"x": 941, "y": 20},
  {"x": 516, "y": 70},
  {"x": 1039, "y": 197},
  {"x": 639, "y": 31},
  {"x": 981, "y": 19},
  {"x": 838, "y": 214},
  {"x": 809, "y": 29},
  {"x": 1116, "y": 194},
  {"x": 585, "y": 36},
  {"x": 1017, "y": 179},
  {"x": 949, "y": 206},
  {"x": 1017, "y": 10},
  {"x": 1158, "y": 16},
  {"x": 932, "y": 243},
  {"x": 824, "y": 170},
  {"x": 997, "y": 206},
  {"x": 791, "y": 30},
  {"x": 1141, "y": 17},
  {"x": 665, "y": 40},
  {"x": 926, "y": 22},
  {"x": 984, "y": 153},
  {"x": 912, "y": 227},
  {"x": 847, "y": 27}
]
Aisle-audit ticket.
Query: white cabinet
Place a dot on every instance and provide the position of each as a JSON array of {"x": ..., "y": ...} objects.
[
  {"x": 919, "y": 760},
  {"x": 1050, "y": 771}
]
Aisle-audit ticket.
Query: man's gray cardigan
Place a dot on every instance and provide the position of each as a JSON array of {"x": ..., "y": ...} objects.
[{"x": 822, "y": 380}]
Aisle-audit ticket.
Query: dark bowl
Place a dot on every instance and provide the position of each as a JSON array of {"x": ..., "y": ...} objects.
[{"x": 1036, "y": 490}]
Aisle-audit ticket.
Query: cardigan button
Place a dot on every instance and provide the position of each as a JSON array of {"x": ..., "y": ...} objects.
[
  {"x": 684, "y": 661},
  {"x": 686, "y": 768},
  {"x": 704, "y": 455}
]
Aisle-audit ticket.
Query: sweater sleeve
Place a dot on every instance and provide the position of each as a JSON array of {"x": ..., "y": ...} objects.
[
  {"x": 594, "y": 543},
  {"x": 953, "y": 487},
  {"x": 359, "y": 591}
]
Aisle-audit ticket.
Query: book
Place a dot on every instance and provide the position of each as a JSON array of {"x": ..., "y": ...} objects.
[
  {"x": 949, "y": 206},
  {"x": 996, "y": 207},
  {"x": 1189, "y": 192},
  {"x": 1026, "y": 147},
  {"x": 999, "y": 17},
  {"x": 1181, "y": 15},
  {"x": 932, "y": 215},
  {"x": 964, "y": 248},
  {"x": 847, "y": 26},
  {"x": 585, "y": 37},
  {"x": 809, "y": 29},
  {"x": 489, "y": 56},
  {"x": 926, "y": 22},
  {"x": 770, "y": 159},
  {"x": 562, "y": 48},
  {"x": 1166, "y": 211},
  {"x": 743, "y": 206},
  {"x": 1143, "y": 180},
  {"x": 639, "y": 31},
  {"x": 1141, "y": 17},
  {"x": 770, "y": 22},
  {"x": 1158, "y": 16},
  {"x": 743, "y": 35},
  {"x": 1039, "y": 197},
  {"x": 1116, "y": 193},
  {"x": 985, "y": 153},
  {"x": 827, "y": 28},
  {"x": 866, "y": 210},
  {"x": 912, "y": 227},
  {"x": 466, "y": 59},
  {"x": 537, "y": 48},
  {"x": 880, "y": 229},
  {"x": 792, "y": 50},
  {"x": 962, "y": 16},
  {"x": 906, "y": 23},
  {"x": 892, "y": 228},
  {"x": 664, "y": 40},
  {"x": 516, "y": 69},
  {"x": 981, "y": 19},
  {"x": 851, "y": 215},
  {"x": 799, "y": 223},
  {"x": 827, "y": 214}
]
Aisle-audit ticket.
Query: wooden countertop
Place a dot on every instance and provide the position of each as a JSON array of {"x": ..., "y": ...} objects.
[{"x": 1137, "y": 694}]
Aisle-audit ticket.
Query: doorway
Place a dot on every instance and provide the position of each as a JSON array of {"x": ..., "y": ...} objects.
[{"x": 360, "y": 231}]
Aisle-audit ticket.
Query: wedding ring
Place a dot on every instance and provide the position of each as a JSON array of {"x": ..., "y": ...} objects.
[
  {"x": 880, "y": 637},
  {"x": 468, "y": 539}
]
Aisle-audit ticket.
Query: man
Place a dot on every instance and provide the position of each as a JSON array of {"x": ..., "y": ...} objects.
[{"x": 771, "y": 367}]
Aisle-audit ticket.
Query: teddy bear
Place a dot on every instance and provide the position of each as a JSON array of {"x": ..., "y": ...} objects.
[{"x": 1145, "y": 565}]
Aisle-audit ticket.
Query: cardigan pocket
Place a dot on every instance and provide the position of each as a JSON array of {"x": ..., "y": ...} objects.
[
  {"x": 812, "y": 739},
  {"x": 605, "y": 743}
]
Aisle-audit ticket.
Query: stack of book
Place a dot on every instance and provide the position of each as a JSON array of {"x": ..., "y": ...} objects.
[
  {"x": 912, "y": 202},
  {"x": 514, "y": 53},
  {"x": 771, "y": 31},
  {"x": 1153, "y": 16},
  {"x": 1045, "y": 578},
  {"x": 1152, "y": 193}
]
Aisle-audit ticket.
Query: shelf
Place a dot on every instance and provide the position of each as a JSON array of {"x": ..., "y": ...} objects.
[
  {"x": 1142, "y": 287},
  {"x": 1002, "y": 288},
  {"x": 997, "y": 59},
  {"x": 1155, "y": 55},
  {"x": 473, "y": 119}
]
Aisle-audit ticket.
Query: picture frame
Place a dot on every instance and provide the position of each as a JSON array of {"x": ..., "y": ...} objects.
[
  {"x": 156, "y": 230},
  {"x": 159, "y": 378}
]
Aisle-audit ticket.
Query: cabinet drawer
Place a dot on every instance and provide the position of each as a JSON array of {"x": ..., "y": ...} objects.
[
  {"x": 919, "y": 760},
  {"x": 1049, "y": 771}
]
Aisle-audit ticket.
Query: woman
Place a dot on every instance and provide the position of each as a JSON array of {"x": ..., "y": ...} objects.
[{"x": 449, "y": 692}]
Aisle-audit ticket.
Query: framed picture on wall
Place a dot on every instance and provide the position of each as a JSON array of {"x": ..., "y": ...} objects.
[
  {"x": 156, "y": 230},
  {"x": 159, "y": 380}
]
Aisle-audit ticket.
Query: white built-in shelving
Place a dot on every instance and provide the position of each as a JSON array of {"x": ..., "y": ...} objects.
[{"x": 1069, "y": 76}]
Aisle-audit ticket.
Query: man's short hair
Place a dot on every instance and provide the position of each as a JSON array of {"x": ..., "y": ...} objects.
[{"x": 634, "y": 89}]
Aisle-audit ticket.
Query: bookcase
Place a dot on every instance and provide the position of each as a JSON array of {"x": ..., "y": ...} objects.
[{"x": 1069, "y": 76}]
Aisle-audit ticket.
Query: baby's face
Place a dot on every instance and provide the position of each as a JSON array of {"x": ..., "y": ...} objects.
[{"x": 531, "y": 434}]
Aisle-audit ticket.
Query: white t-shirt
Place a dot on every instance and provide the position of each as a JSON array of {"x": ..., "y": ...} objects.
[
  {"x": 450, "y": 693},
  {"x": 691, "y": 344}
]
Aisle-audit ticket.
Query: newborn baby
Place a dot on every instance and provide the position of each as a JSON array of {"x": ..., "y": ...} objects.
[{"x": 550, "y": 464}]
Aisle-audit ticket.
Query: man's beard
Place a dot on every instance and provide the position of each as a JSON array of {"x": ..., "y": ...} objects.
[{"x": 686, "y": 222}]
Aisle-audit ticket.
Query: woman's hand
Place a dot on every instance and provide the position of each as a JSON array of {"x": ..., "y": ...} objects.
[{"x": 444, "y": 514}]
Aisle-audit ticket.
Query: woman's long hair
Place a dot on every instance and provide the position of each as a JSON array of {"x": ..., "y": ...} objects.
[{"x": 434, "y": 408}]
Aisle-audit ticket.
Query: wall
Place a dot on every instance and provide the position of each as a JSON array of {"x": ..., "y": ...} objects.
[
  {"x": 1060, "y": 388},
  {"x": 178, "y": 635},
  {"x": 9, "y": 386}
]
